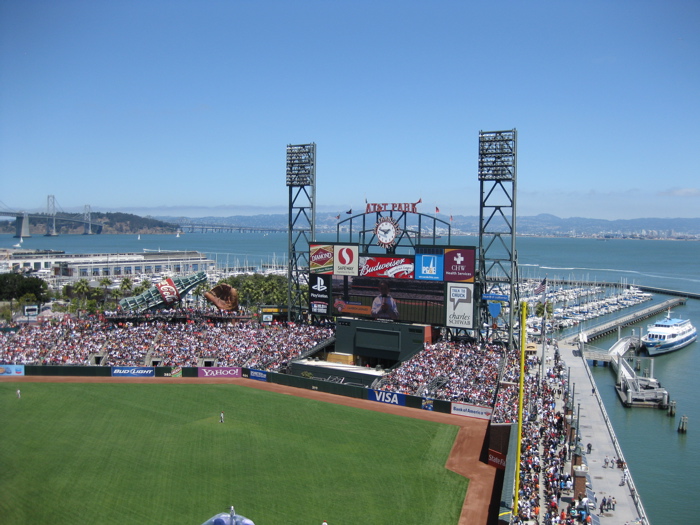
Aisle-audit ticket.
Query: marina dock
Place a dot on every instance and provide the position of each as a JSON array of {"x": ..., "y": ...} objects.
[{"x": 612, "y": 326}]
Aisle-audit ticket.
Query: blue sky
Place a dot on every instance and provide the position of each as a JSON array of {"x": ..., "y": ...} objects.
[{"x": 186, "y": 107}]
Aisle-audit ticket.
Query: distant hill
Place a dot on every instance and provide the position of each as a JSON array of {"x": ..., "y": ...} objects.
[
  {"x": 537, "y": 225},
  {"x": 110, "y": 223},
  {"x": 543, "y": 225}
]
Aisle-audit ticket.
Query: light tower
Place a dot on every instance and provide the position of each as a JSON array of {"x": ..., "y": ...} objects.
[
  {"x": 498, "y": 271},
  {"x": 301, "y": 229}
]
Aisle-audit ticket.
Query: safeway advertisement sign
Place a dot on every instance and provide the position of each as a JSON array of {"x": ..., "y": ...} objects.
[
  {"x": 391, "y": 267},
  {"x": 345, "y": 260}
]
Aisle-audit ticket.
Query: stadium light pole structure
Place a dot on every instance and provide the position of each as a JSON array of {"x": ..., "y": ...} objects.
[
  {"x": 301, "y": 228},
  {"x": 498, "y": 271}
]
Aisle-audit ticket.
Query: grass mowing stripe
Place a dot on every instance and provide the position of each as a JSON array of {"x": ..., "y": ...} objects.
[{"x": 123, "y": 453}]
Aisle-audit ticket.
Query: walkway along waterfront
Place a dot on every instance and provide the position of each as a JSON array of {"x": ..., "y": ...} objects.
[{"x": 594, "y": 427}]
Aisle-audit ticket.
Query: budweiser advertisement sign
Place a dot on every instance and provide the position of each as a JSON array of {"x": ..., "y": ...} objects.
[
  {"x": 321, "y": 258},
  {"x": 168, "y": 291},
  {"x": 391, "y": 267}
]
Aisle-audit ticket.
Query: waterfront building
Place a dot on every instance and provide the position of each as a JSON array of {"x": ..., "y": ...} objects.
[{"x": 60, "y": 267}]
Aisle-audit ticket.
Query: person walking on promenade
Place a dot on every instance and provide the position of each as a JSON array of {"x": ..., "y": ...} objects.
[
  {"x": 614, "y": 502},
  {"x": 603, "y": 505},
  {"x": 221, "y": 417},
  {"x": 605, "y": 463}
]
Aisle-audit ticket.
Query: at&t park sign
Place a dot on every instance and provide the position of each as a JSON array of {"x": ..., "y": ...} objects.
[{"x": 407, "y": 207}]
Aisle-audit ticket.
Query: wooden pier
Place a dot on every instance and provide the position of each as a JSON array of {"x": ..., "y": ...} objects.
[{"x": 612, "y": 326}]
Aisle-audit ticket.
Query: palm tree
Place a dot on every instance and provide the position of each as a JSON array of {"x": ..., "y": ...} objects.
[
  {"x": 105, "y": 283},
  {"x": 116, "y": 295},
  {"x": 126, "y": 286},
  {"x": 199, "y": 292},
  {"x": 82, "y": 288}
]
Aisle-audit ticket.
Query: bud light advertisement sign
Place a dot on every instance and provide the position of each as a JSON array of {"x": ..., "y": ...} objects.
[{"x": 133, "y": 371}]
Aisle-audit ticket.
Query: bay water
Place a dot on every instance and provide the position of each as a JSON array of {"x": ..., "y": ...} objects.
[{"x": 662, "y": 461}]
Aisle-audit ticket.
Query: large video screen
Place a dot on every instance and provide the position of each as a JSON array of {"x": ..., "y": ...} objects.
[
  {"x": 435, "y": 286},
  {"x": 404, "y": 300}
]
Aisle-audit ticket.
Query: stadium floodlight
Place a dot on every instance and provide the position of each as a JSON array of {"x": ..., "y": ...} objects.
[{"x": 228, "y": 518}]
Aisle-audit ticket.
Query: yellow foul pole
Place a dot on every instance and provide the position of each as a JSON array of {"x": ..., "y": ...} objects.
[{"x": 523, "y": 342}]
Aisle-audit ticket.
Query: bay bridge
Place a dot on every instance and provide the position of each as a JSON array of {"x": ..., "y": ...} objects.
[
  {"x": 53, "y": 214},
  {"x": 50, "y": 216}
]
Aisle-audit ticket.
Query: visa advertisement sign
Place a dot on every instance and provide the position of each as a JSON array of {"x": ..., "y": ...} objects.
[{"x": 390, "y": 398}]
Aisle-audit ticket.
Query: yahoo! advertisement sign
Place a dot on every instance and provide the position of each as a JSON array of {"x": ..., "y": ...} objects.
[{"x": 210, "y": 371}]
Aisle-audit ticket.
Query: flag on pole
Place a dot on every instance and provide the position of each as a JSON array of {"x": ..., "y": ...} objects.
[
  {"x": 337, "y": 217},
  {"x": 437, "y": 210},
  {"x": 420, "y": 200},
  {"x": 349, "y": 212},
  {"x": 542, "y": 286},
  {"x": 451, "y": 219}
]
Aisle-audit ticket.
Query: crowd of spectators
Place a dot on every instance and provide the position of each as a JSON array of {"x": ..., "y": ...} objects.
[
  {"x": 75, "y": 342},
  {"x": 451, "y": 371},
  {"x": 544, "y": 451}
]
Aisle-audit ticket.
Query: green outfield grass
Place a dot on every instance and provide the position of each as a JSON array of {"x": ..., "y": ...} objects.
[{"x": 156, "y": 454}]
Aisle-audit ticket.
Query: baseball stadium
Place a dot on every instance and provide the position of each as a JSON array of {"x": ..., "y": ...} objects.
[{"x": 387, "y": 390}]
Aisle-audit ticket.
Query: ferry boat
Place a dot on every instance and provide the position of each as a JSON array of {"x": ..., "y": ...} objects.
[{"x": 668, "y": 335}]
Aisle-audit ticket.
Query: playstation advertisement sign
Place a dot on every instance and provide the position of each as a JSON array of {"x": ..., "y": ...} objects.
[{"x": 320, "y": 293}]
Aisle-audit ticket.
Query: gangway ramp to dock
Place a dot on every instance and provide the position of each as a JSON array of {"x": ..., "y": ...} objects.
[{"x": 634, "y": 390}]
